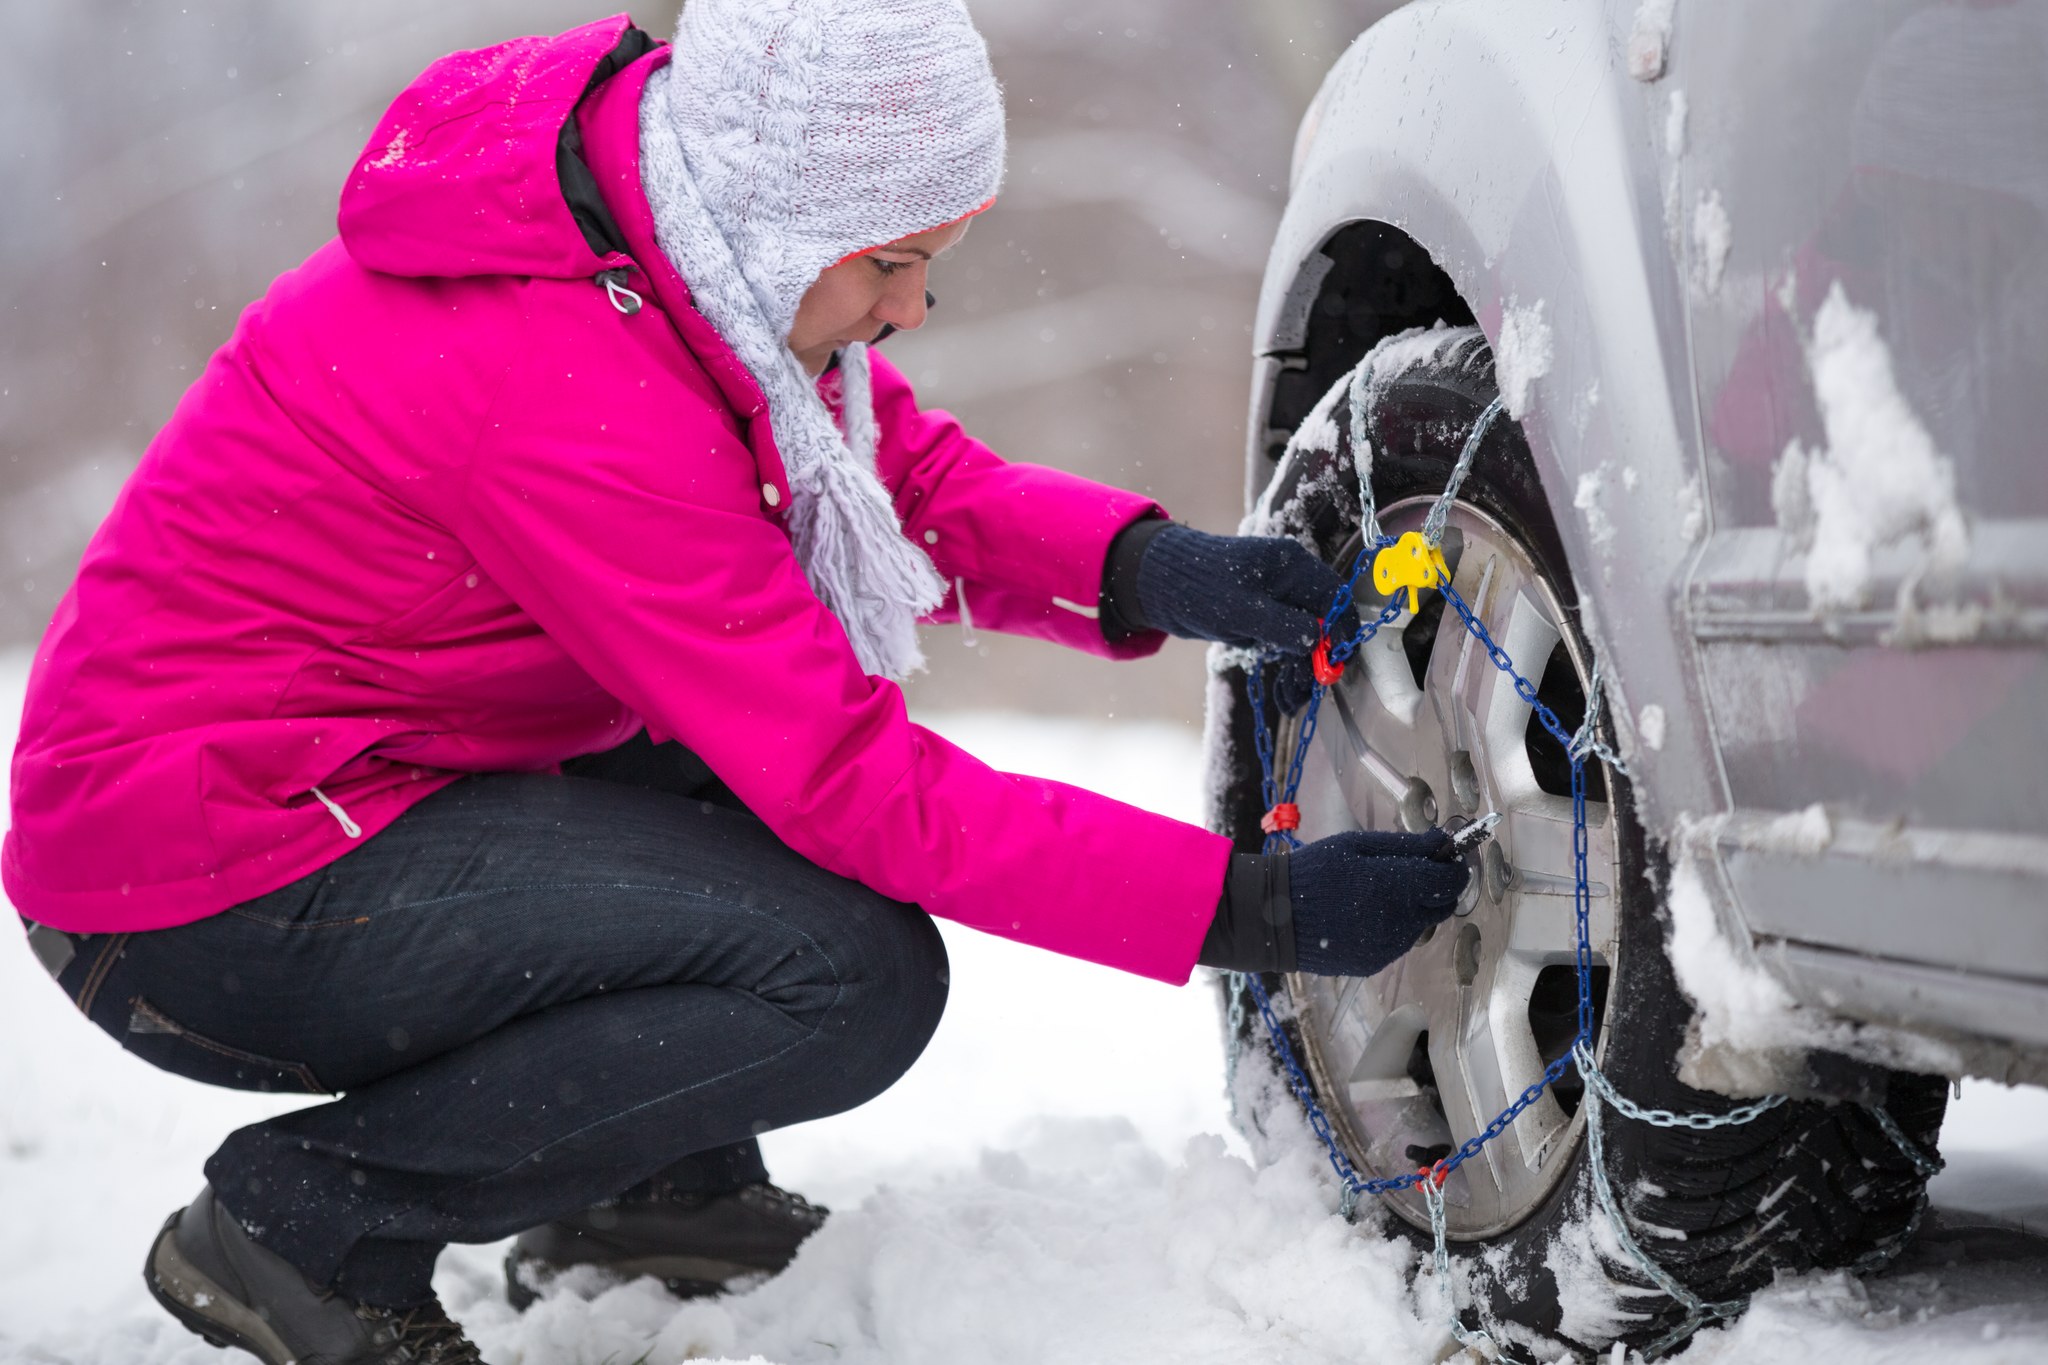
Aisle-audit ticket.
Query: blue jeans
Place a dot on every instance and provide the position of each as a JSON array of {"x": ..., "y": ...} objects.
[{"x": 528, "y": 994}]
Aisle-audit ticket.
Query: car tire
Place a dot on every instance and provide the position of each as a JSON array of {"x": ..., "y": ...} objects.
[{"x": 1808, "y": 1185}]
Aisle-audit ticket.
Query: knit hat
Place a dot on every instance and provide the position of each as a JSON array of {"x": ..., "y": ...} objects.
[{"x": 783, "y": 137}]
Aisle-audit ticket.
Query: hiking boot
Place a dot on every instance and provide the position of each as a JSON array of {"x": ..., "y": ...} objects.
[
  {"x": 695, "y": 1244},
  {"x": 212, "y": 1277}
]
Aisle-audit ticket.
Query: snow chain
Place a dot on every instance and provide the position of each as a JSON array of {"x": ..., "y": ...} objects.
[{"x": 1279, "y": 792}]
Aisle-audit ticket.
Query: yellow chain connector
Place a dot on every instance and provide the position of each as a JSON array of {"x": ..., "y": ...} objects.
[{"x": 1412, "y": 563}]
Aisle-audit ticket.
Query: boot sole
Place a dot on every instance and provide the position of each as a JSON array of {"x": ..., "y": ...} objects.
[{"x": 191, "y": 1296}]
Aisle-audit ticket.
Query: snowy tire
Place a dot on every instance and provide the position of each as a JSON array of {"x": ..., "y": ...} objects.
[{"x": 1808, "y": 1185}]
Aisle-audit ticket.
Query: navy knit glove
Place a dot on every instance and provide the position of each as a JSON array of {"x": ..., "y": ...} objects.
[
  {"x": 1343, "y": 906},
  {"x": 1362, "y": 899},
  {"x": 1254, "y": 592},
  {"x": 1290, "y": 681}
]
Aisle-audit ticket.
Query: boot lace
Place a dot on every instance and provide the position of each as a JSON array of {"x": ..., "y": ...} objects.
[
  {"x": 425, "y": 1335},
  {"x": 787, "y": 1202}
]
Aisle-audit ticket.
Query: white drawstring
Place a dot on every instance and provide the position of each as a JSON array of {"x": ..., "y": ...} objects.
[
  {"x": 348, "y": 826},
  {"x": 967, "y": 636},
  {"x": 1092, "y": 613},
  {"x": 623, "y": 299}
]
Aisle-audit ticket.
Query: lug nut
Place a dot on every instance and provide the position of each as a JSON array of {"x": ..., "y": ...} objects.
[
  {"x": 1493, "y": 867},
  {"x": 1464, "y": 782},
  {"x": 1418, "y": 807},
  {"x": 1465, "y": 955}
]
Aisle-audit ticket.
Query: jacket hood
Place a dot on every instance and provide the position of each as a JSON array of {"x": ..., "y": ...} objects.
[{"x": 476, "y": 168}]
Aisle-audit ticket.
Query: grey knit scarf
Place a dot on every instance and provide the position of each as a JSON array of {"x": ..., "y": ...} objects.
[{"x": 842, "y": 521}]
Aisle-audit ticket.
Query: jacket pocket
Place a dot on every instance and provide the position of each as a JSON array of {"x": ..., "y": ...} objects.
[
  {"x": 412, "y": 625},
  {"x": 166, "y": 1044}
]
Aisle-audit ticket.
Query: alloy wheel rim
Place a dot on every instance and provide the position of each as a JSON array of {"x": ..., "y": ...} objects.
[{"x": 1415, "y": 1060}]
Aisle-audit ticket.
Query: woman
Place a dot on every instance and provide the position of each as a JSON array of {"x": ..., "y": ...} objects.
[{"x": 478, "y": 705}]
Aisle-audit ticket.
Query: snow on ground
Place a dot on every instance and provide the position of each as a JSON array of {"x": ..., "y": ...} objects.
[{"x": 1050, "y": 1184}]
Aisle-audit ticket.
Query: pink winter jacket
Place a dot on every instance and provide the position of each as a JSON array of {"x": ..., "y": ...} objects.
[{"x": 440, "y": 507}]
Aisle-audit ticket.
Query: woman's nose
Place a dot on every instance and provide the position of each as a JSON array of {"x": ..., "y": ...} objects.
[
  {"x": 888, "y": 327},
  {"x": 903, "y": 306}
]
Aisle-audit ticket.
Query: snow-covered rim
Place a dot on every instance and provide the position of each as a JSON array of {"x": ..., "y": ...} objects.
[{"x": 1392, "y": 755}]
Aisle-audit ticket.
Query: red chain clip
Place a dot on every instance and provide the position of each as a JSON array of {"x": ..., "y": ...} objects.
[
  {"x": 1326, "y": 671},
  {"x": 1286, "y": 815},
  {"x": 1435, "y": 1175}
]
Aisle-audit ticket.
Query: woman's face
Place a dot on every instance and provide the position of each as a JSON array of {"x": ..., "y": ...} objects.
[{"x": 854, "y": 300}]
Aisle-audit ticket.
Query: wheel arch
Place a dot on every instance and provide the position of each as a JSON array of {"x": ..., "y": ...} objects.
[{"x": 1516, "y": 167}]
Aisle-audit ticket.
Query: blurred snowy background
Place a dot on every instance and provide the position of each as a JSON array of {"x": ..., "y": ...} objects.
[{"x": 165, "y": 161}]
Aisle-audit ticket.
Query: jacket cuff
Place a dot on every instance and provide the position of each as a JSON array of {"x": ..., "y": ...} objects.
[
  {"x": 1254, "y": 926},
  {"x": 1121, "y": 617}
]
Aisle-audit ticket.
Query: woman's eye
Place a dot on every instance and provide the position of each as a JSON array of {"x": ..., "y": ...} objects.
[{"x": 888, "y": 267}]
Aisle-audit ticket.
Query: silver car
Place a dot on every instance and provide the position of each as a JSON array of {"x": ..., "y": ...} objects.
[{"x": 1763, "y": 290}]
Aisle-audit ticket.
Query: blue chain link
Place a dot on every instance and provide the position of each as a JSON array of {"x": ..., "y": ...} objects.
[{"x": 1340, "y": 652}]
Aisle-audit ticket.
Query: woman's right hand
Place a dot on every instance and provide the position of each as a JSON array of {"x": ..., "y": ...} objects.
[
  {"x": 1343, "y": 906},
  {"x": 1362, "y": 898}
]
